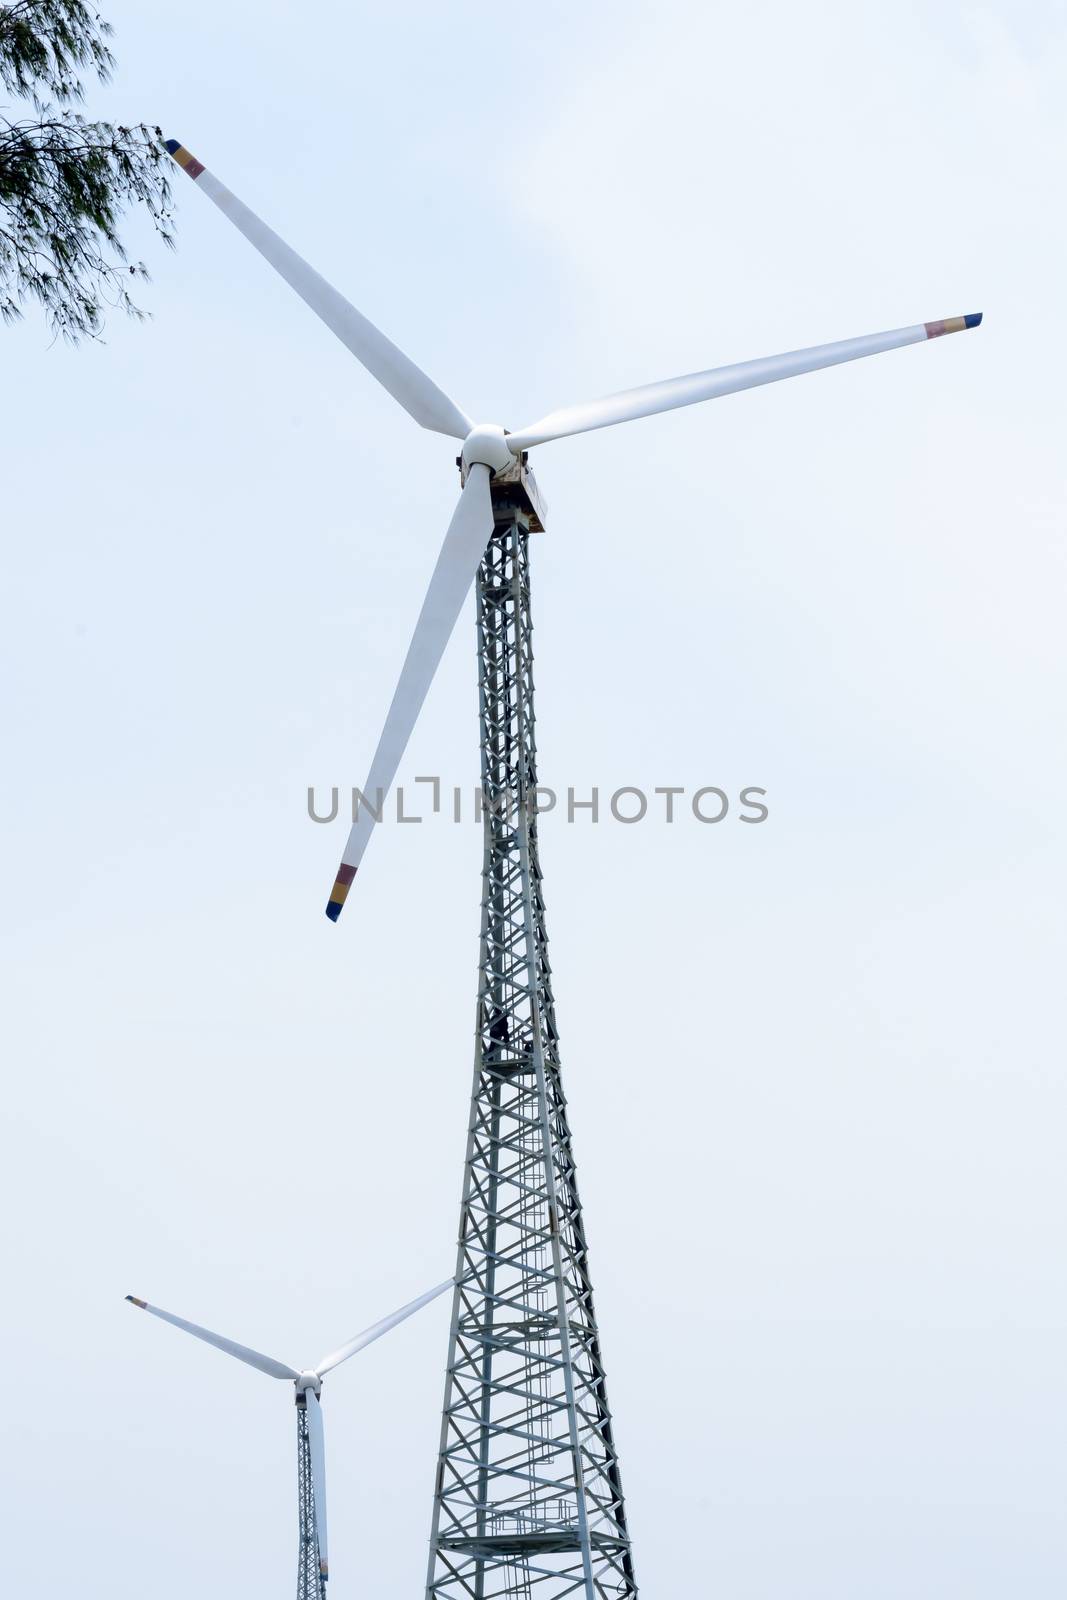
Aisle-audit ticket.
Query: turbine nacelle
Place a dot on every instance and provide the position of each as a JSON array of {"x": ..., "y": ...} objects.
[{"x": 306, "y": 1381}]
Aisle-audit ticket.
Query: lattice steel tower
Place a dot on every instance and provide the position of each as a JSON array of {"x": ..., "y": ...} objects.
[
  {"x": 528, "y": 1496},
  {"x": 310, "y": 1582}
]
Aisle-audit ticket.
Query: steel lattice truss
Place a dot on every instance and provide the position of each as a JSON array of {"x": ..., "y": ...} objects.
[
  {"x": 310, "y": 1584},
  {"x": 528, "y": 1494}
]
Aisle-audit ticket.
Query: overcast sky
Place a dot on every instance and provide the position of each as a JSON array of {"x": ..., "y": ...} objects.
[{"x": 815, "y": 1066}]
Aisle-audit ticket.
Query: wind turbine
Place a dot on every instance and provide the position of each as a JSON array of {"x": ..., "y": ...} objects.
[
  {"x": 313, "y": 1569},
  {"x": 528, "y": 1486},
  {"x": 490, "y": 453}
]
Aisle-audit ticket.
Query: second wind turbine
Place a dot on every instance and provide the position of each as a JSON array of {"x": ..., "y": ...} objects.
[{"x": 313, "y": 1567}]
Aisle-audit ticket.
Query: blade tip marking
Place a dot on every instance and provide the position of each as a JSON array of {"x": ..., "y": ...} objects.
[
  {"x": 185, "y": 159},
  {"x": 339, "y": 892},
  {"x": 934, "y": 330},
  {"x": 132, "y": 1298}
]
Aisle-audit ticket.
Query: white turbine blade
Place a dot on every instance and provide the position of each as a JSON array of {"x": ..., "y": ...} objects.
[
  {"x": 369, "y": 1335},
  {"x": 318, "y": 1474},
  {"x": 419, "y": 396},
  {"x": 697, "y": 386},
  {"x": 468, "y": 534},
  {"x": 273, "y": 1369}
]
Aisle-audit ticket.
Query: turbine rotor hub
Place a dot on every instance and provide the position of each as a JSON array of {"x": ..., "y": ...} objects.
[
  {"x": 487, "y": 443},
  {"x": 308, "y": 1380}
]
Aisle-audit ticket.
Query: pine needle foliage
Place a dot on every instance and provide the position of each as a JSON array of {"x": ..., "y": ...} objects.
[{"x": 65, "y": 180}]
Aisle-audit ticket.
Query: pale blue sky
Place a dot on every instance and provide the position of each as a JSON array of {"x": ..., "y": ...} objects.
[{"x": 815, "y": 1068}]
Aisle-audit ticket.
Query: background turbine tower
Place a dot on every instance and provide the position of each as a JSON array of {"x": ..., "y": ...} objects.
[
  {"x": 528, "y": 1492},
  {"x": 313, "y": 1567}
]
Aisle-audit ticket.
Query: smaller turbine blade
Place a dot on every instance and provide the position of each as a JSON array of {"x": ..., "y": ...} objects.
[
  {"x": 273, "y": 1369},
  {"x": 317, "y": 1443},
  {"x": 653, "y": 398},
  {"x": 468, "y": 534},
  {"x": 418, "y": 394},
  {"x": 369, "y": 1335}
]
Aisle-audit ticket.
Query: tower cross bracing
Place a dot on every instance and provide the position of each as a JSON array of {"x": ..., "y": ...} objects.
[
  {"x": 528, "y": 1496},
  {"x": 310, "y": 1583}
]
